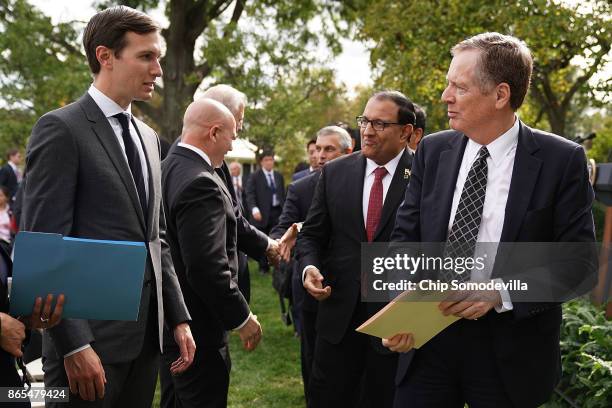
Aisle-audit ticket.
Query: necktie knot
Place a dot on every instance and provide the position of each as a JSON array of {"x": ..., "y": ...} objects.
[
  {"x": 123, "y": 120},
  {"x": 380, "y": 173},
  {"x": 483, "y": 153}
]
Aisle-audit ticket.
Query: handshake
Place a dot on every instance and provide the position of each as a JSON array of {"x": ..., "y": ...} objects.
[{"x": 281, "y": 249}]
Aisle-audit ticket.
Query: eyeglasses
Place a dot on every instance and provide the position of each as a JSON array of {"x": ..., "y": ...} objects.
[{"x": 377, "y": 124}]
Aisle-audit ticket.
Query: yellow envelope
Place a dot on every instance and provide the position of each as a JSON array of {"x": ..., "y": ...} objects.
[{"x": 410, "y": 312}]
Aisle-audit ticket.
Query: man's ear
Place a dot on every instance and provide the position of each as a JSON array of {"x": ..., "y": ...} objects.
[
  {"x": 502, "y": 95},
  {"x": 407, "y": 132},
  {"x": 105, "y": 56},
  {"x": 213, "y": 133}
]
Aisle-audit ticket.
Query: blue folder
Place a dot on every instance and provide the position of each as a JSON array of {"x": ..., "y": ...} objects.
[{"x": 101, "y": 280}]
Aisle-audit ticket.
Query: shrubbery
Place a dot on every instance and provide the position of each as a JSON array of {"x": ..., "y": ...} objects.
[{"x": 586, "y": 357}]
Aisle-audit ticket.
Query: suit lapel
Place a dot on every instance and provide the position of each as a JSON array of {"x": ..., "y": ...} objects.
[
  {"x": 151, "y": 151},
  {"x": 103, "y": 130},
  {"x": 396, "y": 192},
  {"x": 356, "y": 195},
  {"x": 446, "y": 179},
  {"x": 524, "y": 177}
]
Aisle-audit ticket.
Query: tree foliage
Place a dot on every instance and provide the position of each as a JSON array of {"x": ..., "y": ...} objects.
[
  {"x": 264, "y": 48},
  {"x": 41, "y": 68},
  {"x": 412, "y": 38}
]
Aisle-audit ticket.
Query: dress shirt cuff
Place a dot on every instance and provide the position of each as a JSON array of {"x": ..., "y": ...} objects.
[
  {"x": 304, "y": 272},
  {"x": 243, "y": 323},
  {"x": 505, "y": 297},
  {"x": 255, "y": 210},
  {"x": 77, "y": 350}
]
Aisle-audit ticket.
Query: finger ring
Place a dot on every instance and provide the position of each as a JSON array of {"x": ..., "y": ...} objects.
[{"x": 44, "y": 320}]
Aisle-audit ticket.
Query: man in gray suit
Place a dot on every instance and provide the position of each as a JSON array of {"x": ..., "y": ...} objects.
[{"x": 93, "y": 171}]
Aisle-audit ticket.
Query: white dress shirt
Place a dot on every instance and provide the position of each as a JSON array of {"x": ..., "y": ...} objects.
[
  {"x": 368, "y": 181},
  {"x": 110, "y": 108},
  {"x": 205, "y": 157},
  {"x": 500, "y": 164}
]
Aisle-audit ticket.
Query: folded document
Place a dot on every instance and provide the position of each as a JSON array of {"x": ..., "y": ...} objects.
[
  {"x": 101, "y": 280},
  {"x": 410, "y": 312}
]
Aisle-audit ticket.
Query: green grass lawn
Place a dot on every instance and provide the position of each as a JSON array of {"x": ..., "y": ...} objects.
[{"x": 270, "y": 375}]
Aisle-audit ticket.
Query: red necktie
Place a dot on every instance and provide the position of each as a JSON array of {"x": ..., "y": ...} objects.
[{"x": 375, "y": 203}]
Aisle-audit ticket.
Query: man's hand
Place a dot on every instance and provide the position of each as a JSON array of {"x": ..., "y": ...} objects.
[
  {"x": 313, "y": 283},
  {"x": 257, "y": 216},
  {"x": 470, "y": 304},
  {"x": 12, "y": 334},
  {"x": 85, "y": 374},
  {"x": 250, "y": 333},
  {"x": 42, "y": 317},
  {"x": 273, "y": 252},
  {"x": 187, "y": 347},
  {"x": 400, "y": 343},
  {"x": 287, "y": 242}
]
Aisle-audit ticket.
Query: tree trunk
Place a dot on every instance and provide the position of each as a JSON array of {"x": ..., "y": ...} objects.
[{"x": 177, "y": 92}]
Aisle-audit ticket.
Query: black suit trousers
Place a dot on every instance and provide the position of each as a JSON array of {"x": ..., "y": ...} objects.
[
  {"x": 205, "y": 384},
  {"x": 351, "y": 373},
  {"x": 455, "y": 367}
]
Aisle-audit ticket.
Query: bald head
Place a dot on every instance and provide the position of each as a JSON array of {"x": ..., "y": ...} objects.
[
  {"x": 232, "y": 98},
  {"x": 209, "y": 126}
]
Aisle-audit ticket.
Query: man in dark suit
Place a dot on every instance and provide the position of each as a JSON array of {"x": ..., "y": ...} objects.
[
  {"x": 332, "y": 142},
  {"x": 10, "y": 175},
  {"x": 251, "y": 241},
  {"x": 313, "y": 162},
  {"x": 93, "y": 171},
  {"x": 265, "y": 195},
  {"x": 355, "y": 202},
  {"x": 490, "y": 179},
  {"x": 202, "y": 235}
]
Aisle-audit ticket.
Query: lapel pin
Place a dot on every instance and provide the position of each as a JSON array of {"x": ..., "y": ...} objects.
[{"x": 406, "y": 173}]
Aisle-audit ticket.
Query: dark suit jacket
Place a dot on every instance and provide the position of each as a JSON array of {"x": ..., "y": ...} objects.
[
  {"x": 549, "y": 200},
  {"x": 258, "y": 194},
  {"x": 202, "y": 233},
  {"x": 8, "y": 178},
  {"x": 334, "y": 230},
  {"x": 79, "y": 185},
  {"x": 250, "y": 240},
  {"x": 300, "y": 174},
  {"x": 297, "y": 203}
]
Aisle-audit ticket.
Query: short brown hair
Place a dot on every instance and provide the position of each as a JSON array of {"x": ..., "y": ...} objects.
[
  {"x": 108, "y": 28},
  {"x": 503, "y": 58},
  {"x": 11, "y": 152}
]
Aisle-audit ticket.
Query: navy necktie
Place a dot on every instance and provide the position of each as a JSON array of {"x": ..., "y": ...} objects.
[{"x": 133, "y": 161}]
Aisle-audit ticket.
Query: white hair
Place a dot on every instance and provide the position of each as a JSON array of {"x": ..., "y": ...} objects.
[
  {"x": 343, "y": 136},
  {"x": 232, "y": 98}
]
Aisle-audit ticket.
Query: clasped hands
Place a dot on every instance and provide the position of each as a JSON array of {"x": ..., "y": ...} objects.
[
  {"x": 281, "y": 249},
  {"x": 466, "y": 304}
]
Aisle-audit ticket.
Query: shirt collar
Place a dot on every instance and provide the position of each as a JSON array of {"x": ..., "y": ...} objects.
[
  {"x": 108, "y": 107},
  {"x": 13, "y": 166},
  {"x": 268, "y": 173},
  {"x": 390, "y": 166},
  {"x": 500, "y": 147},
  {"x": 197, "y": 150}
]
